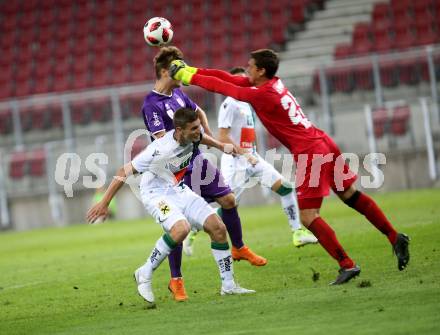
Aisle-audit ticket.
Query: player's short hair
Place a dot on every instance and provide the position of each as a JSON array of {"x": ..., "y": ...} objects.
[
  {"x": 237, "y": 70},
  {"x": 164, "y": 58},
  {"x": 266, "y": 59},
  {"x": 183, "y": 116}
]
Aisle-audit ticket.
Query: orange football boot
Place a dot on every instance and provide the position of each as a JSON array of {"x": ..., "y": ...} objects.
[
  {"x": 247, "y": 254},
  {"x": 177, "y": 288}
]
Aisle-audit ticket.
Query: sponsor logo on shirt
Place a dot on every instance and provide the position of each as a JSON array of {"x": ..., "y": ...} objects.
[{"x": 156, "y": 120}]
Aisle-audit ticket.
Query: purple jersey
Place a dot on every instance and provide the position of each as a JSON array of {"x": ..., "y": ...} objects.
[{"x": 158, "y": 109}]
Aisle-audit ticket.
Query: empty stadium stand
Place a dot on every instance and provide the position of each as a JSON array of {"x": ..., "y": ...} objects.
[
  {"x": 394, "y": 26},
  {"x": 56, "y": 46}
]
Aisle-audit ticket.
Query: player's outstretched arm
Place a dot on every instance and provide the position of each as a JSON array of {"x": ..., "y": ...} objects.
[
  {"x": 227, "y": 148},
  {"x": 101, "y": 208},
  {"x": 226, "y": 76},
  {"x": 181, "y": 71},
  {"x": 213, "y": 84},
  {"x": 224, "y": 136}
]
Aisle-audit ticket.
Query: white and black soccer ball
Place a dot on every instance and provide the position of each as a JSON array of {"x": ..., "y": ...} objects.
[{"x": 158, "y": 31}]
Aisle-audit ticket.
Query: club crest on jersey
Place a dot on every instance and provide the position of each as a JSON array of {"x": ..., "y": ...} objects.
[
  {"x": 164, "y": 207},
  {"x": 180, "y": 101}
]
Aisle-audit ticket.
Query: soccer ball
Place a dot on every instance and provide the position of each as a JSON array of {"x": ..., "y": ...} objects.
[{"x": 158, "y": 31}]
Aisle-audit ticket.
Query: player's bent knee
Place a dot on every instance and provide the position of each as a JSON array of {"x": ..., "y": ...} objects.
[
  {"x": 180, "y": 230},
  {"x": 307, "y": 216},
  {"x": 228, "y": 201},
  {"x": 215, "y": 228}
]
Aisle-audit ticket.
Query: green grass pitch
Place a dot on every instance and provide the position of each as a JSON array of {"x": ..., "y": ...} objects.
[{"x": 78, "y": 279}]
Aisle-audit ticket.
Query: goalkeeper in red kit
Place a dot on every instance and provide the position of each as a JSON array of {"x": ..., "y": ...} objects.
[{"x": 320, "y": 165}]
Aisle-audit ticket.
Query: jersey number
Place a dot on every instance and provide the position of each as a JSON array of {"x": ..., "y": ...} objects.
[{"x": 296, "y": 114}]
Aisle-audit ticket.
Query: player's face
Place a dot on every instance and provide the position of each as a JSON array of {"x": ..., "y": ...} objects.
[
  {"x": 172, "y": 83},
  {"x": 191, "y": 133},
  {"x": 254, "y": 73}
]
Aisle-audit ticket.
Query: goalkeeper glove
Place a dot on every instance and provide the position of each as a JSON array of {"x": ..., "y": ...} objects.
[
  {"x": 188, "y": 68},
  {"x": 178, "y": 71}
]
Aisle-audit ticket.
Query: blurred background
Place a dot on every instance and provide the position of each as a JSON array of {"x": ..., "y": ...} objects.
[{"x": 73, "y": 75}]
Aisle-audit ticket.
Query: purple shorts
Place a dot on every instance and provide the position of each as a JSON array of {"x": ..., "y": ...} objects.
[{"x": 206, "y": 180}]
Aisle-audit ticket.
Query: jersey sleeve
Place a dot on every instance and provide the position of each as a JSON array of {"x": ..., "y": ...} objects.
[
  {"x": 143, "y": 161},
  {"x": 153, "y": 118},
  {"x": 226, "y": 113},
  {"x": 213, "y": 84},
  {"x": 223, "y": 75}
]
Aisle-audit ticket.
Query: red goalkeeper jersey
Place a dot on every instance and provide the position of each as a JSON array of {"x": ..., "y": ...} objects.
[{"x": 275, "y": 106}]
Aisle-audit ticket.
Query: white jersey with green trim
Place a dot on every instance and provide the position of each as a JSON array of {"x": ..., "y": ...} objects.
[{"x": 164, "y": 162}]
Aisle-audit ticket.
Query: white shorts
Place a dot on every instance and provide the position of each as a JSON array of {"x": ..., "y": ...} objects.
[
  {"x": 239, "y": 174},
  {"x": 167, "y": 206}
]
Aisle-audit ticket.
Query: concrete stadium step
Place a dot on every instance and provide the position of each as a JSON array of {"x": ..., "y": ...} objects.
[
  {"x": 345, "y": 3},
  {"x": 310, "y": 43},
  {"x": 337, "y": 21},
  {"x": 302, "y": 66},
  {"x": 324, "y": 33},
  {"x": 354, "y": 8},
  {"x": 317, "y": 50}
]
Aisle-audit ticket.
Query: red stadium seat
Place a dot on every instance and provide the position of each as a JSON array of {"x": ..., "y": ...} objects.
[
  {"x": 40, "y": 117},
  {"x": 363, "y": 77},
  {"x": 6, "y": 126},
  {"x": 7, "y": 58},
  {"x": 81, "y": 64},
  {"x": 47, "y": 18},
  {"x": 408, "y": 71},
  {"x": 342, "y": 51},
  {"x": 388, "y": 73},
  {"x": 43, "y": 52},
  {"x": 18, "y": 165},
  {"x": 81, "y": 80},
  {"x": 119, "y": 75},
  {"x": 43, "y": 85},
  {"x": 382, "y": 38},
  {"x": 28, "y": 22},
  {"x": 340, "y": 79},
  {"x": 37, "y": 163},
  {"x": 404, "y": 35},
  {"x": 362, "y": 43},
  {"x": 80, "y": 112},
  {"x": 101, "y": 78},
  {"x": 56, "y": 116},
  {"x": 23, "y": 88},
  {"x": 62, "y": 68},
  {"x": 9, "y": 7},
  {"x": 6, "y": 91},
  {"x": 380, "y": 122},
  {"x": 400, "y": 120},
  {"x": 101, "y": 110},
  {"x": 62, "y": 83},
  {"x": 425, "y": 31},
  {"x": 42, "y": 69},
  {"x": 381, "y": 11},
  {"x": 401, "y": 7}
]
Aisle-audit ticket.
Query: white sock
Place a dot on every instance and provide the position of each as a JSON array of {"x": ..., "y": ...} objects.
[
  {"x": 290, "y": 206},
  {"x": 223, "y": 259},
  {"x": 160, "y": 251}
]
